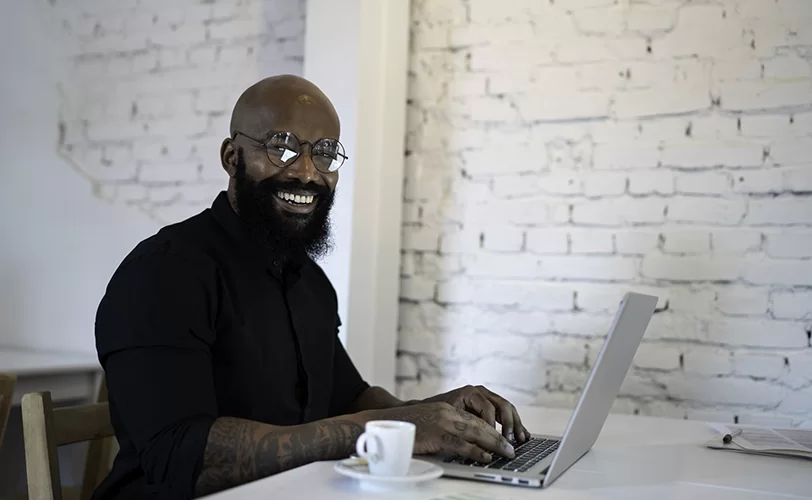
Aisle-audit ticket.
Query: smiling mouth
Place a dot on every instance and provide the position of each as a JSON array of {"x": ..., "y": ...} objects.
[{"x": 296, "y": 200}]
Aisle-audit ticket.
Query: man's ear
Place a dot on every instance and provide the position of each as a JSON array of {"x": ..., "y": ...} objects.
[{"x": 228, "y": 157}]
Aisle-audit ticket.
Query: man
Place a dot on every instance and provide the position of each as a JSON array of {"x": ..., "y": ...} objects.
[{"x": 218, "y": 334}]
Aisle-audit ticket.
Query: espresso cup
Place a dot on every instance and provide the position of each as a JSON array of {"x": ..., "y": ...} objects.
[{"x": 387, "y": 446}]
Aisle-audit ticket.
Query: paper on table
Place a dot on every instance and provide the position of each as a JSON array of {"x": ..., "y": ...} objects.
[{"x": 766, "y": 439}]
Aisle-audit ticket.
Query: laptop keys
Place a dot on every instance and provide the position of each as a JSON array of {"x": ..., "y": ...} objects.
[{"x": 527, "y": 455}]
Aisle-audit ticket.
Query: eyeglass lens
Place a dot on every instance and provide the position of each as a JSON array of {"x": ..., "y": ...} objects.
[{"x": 284, "y": 148}]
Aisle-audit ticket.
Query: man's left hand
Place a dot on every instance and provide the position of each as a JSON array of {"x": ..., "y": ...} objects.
[{"x": 489, "y": 406}]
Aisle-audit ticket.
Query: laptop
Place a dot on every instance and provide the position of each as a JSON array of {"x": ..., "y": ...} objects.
[{"x": 542, "y": 459}]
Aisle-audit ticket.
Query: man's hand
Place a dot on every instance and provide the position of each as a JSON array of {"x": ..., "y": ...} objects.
[
  {"x": 444, "y": 428},
  {"x": 490, "y": 406}
]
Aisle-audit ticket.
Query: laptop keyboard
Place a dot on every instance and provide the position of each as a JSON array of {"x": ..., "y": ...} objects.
[{"x": 528, "y": 454}]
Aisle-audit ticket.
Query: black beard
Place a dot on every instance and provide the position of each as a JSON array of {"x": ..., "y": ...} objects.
[{"x": 291, "y": 235}]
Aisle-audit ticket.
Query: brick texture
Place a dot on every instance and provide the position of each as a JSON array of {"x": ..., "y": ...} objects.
[
  {"x": 580, "y": 149},
  {"x": 148, "y": 97}
]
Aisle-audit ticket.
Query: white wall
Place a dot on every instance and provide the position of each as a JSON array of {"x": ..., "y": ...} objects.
[
  {"x": 143, "y": 92},
  {"x": 561, "y": 153},
  {"x": 356, "y": 50}
]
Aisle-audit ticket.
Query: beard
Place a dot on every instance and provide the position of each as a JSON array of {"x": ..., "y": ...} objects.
[{"x": 289, "y": 234}]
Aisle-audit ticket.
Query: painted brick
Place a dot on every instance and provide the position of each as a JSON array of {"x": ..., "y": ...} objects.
[
  {"x": 691, "y": 300},
  {"x": 757, "y": 333},
  {"x": 792, "y": 305},
  {"x": 417, "y": 288},
  {"x": 704, "y": 155},
  {"x": 783, "y": 211},
  {"x": 703, "y": 183},
  {"x": 651, "y": 182},
  {"x": 789, "y": 245},
  {"x": 742, "y": 301},
  {"x": 562, "y": 106},
  {"x": 591, "y": 241},
  {"x": 605, "y": 184},
  {"x": 752, "y": 96},
  {"x": 798, "y": 179},
  {"x": 758, "y": 181},
  {"x": 503, "y": 239},
  {"x": 495, "y": 57},
  {"x": 731, "y": 391},
  {"x": 635, "y": 242},
  {"x": 689, "y": 268},
  {"x": 679, "y": 327},
  {"x": 721, "y": 36},
  {"x": 464, "y": 241},
  {"x": 517, "y": 212},
  {"x": 706, "y": 210},
  {"x": 707, "y": 361},
  {"x": 625, "y": 156},
  {"x": 420, "y": 238},
  {"x": 769, "y": 366},
  {"x": 554, "y": 267},
  {"x": 649, "y": 102},
  {"x": 778, "y": 272},
  {"x": 657, "y": 357},
  {"x": 600, "y": 21},
  {"x": 557, "y": 349},
  {"x": 546, "y": 241},
  {"x": 735, "y": 241},
  {"x": 619, "y": 212},
  {"x": 596, "y": 49},
  {"x": 650, "y": 19},
  {"x": 768, "y": 126},
  {"x": 586, "y": 96},
  {"x": 526, "y": 295},
  {"x": 685, "y": 241}
]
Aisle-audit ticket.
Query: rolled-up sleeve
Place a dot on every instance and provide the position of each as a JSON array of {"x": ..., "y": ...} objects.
[{"x": 154, "y": 329}]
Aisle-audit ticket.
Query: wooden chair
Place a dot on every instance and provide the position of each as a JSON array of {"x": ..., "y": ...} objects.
[
  {"x": 45, "y": 428},
  {"x": 7, "y": 382}
]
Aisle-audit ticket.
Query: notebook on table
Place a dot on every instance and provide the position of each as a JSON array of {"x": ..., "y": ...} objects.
[{"x": 763, "y": 440}]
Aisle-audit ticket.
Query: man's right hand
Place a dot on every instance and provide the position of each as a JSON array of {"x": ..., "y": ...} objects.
[{"x": 444, "y": 428}]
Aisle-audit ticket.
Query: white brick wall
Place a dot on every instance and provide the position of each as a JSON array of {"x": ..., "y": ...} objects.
[
  {"x": 148, "y": 99},
  {"x": 566, "y": 152}
]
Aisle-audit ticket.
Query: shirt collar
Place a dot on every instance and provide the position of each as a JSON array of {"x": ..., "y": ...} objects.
[{"x": 236, "y": 229}]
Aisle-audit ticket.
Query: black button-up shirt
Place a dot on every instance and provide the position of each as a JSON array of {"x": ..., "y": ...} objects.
[{"x": 198, "y": 323}]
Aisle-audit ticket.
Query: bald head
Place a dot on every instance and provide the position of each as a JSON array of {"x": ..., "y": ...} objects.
[{"x": 285, "y": 103}]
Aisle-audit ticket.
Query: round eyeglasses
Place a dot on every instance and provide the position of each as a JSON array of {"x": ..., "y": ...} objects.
[{"x": 284, "y": 148}]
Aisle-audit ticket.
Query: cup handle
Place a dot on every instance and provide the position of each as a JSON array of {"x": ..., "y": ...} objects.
[{"x": 375, "y": 454}]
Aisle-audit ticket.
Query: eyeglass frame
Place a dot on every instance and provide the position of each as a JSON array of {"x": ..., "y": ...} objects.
[{"x": 301, "y": 143}]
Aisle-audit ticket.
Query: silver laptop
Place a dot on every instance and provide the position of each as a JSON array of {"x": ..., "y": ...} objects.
[{"x": 540, "y": 460}]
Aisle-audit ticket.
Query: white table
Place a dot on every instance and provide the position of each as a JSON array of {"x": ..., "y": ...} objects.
[
  {"x": 635, "y": 458},
  {"x": 69, "y": 376},
  {"x": 72, "y": 378}
]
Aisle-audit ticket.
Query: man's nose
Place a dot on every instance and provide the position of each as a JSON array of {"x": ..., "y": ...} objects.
[{"x": 303, "y": 169}]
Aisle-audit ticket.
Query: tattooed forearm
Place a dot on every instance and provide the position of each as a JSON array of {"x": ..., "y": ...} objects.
[{"x": 239, "y": 451}]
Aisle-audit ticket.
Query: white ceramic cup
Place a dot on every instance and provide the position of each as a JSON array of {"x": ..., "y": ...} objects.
[{"x": 387, "y": 446}]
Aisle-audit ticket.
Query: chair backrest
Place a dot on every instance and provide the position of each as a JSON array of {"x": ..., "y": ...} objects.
[
  {"x": 45, "y": 428},
  {"x": 7, "y": 382}
]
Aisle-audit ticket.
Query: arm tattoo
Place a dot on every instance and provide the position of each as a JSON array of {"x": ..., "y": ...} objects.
[{"x": 239, "y": 451}]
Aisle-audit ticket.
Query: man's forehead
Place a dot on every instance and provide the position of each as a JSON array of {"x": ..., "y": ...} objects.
[{"x": 306, "y": 121}]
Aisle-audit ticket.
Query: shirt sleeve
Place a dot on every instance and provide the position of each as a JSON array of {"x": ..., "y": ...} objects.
[
  {"x": 154, "y": 329},
  {"x": 347, "y": 382}
]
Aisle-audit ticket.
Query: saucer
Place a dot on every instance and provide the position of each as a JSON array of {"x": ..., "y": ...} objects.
[{"x": 419, "y": 472}]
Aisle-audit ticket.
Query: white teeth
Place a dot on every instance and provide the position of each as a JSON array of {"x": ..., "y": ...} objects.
[{"x": 296, "y": 198}]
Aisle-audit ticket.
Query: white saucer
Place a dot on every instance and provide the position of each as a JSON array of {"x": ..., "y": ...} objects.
[{"x": 419, "y": 472}]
